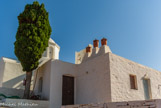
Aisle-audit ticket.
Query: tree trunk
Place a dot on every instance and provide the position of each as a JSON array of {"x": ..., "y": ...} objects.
[{"x": 27, "y": 86}]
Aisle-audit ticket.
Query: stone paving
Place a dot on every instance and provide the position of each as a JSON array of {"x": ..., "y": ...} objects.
[{"x": 130, "y": 104}]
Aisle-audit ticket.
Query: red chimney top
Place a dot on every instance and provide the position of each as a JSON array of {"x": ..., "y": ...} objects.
[
  {"x": 104, "y": 41},
  {"x": 88, "y": 49},
  {"x": 96, "y": 43}
]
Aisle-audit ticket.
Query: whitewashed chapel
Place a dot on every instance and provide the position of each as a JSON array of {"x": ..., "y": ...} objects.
[{"x": 98, "y": 75}]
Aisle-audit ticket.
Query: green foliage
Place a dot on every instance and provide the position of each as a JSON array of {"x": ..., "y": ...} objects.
[{"x": 32, "y": 35}]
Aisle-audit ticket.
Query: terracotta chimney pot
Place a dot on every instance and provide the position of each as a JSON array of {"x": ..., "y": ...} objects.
[
  {"x": 104, "y": 41},
  {"x": 88, "y": 49},
  {"x": 96, "y": 43}
]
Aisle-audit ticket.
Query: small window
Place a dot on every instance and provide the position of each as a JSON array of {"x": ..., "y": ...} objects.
[{"x": 133, "y": 82}]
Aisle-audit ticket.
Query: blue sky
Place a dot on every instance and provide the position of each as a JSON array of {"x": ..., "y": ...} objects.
[{"x": 132, "y": 27}]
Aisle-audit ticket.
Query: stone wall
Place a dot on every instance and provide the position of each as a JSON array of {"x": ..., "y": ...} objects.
[{"x": 130, "y": 104}]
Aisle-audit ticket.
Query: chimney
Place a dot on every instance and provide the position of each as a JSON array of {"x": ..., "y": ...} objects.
[
  {"x": 104, "y": 41},
  {"x": 88, "y": 49},
  {"x": 96, "y": 43}
]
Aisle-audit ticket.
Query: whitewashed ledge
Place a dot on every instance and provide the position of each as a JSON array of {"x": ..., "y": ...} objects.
[
  {"x": 12, "y": 91},
  {"x": 24, "y": 103},
  {"x": 130, "y": 104}
]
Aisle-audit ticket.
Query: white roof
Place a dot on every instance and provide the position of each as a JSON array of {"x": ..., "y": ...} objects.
[
  {"x": 43, "y": 60},
  {"x": 9, "y": 60},
  {"x": 51, "y": 40}
]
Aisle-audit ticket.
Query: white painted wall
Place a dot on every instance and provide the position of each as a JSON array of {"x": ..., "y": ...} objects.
[
  {"x": 58, "y": 69},
  {"x": 52, "y": 51},
  {"x": 101, "y": 78},
  {"x": 12, "y": 74},
  {"x": 44, "y": 72},
  {"x": 93, "y": 81},
  {"x": 1, "y": 71},
  {"x": 38, "y": 74},
  {"x": 120, "y": 68},
  {"x": 57, "y": 50},
  {"x": 79, "y": 56},
  {"x": 46, "y": 81}
]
